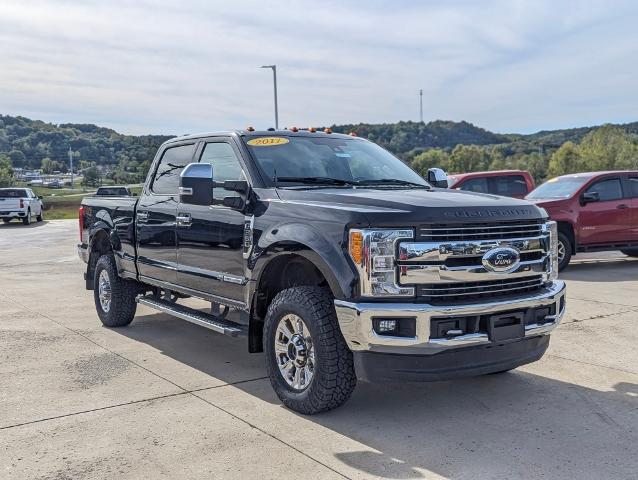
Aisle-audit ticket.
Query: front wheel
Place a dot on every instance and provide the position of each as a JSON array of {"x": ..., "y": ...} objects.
[
  {"x": 40, "y": 217},
  {"x": 114, "y": 296},
  {"x": 564, "y": 251},
  {"x": 6, "y": 220},
  {"x": 307, "y": 359}
]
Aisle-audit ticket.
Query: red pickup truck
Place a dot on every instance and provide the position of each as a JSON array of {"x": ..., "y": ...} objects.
[
  {"x": 507, "y": 183},
  {"x": 594, "y": 211}
]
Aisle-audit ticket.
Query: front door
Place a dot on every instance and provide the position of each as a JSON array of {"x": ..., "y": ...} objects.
[
  {"x": 607, "y": 220},
  {"x": 210, "y": 248},
  {"x": 155, "y": 215}
]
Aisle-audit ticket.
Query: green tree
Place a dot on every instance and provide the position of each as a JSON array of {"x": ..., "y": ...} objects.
[
  {"x": 6, "y": 172},
  {"x": 608, "y": 148},
  {"x": 567, "y": 159},
  {"x": 91, "y": 177},
  {"x": 18, "y": 159},
  {"x": 434, "y": 157},
  {"x": 468, "y": 158}
]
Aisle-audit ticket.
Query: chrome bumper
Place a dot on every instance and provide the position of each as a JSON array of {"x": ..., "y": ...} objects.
[{"x": 355, "y": 321}]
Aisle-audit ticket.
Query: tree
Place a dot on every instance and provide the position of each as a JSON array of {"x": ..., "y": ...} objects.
[
  {"x": 18, "y": 158},
  {"x": 432, "y": 158},
  {"x": 6, "y": 172},
  {"x": 468, "y": 158},
  {"x": 91, "y": 177},
  {"x": 567, "y": 159},
  {"x": 608, "y": 148}
]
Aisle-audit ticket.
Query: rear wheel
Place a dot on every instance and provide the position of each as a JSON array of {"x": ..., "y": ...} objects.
[
  {"x": 309, "y": 364},
  {"x": 6, "y": 220},
  {"x": 114, "y": 296},
  {"x": 27, "y": 220},
  {"x": 630, "y": 252},
  {"x": 565, "y": 249}
]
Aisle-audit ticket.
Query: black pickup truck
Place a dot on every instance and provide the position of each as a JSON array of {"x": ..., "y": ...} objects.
[{"x": 333, "y": 257}]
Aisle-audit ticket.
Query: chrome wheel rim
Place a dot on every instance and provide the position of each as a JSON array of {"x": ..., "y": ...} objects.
[
  {"x": 104, "y": 291},
  {"x": 294, "y": 352},
  {"x": 561, "y": 252}
]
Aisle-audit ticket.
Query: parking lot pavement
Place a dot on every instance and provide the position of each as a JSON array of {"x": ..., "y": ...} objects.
[{"x": 166, "y": 399}]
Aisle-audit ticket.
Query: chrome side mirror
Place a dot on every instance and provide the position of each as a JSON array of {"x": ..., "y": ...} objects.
[{"x": 437, "y": 178}]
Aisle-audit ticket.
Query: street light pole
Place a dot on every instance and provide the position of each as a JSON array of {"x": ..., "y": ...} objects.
[
  {"x": 421, "y": 104},
  {"x": 274, "y": 79}
]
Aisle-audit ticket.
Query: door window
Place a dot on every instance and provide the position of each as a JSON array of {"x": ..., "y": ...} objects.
[
  {"x": 475, "y": 185},
  {"x": 509, "y": 185},
  {"x": 225, "y": 164},
  {"x": 633, "y": 187},
  {"x": 607, "y": 190},
  {"x": 166, "y": 179}
]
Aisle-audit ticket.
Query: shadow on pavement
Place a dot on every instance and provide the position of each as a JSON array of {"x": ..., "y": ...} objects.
[
  {"x": 19, "y": 224},
  {"x": 602, "y": 270},
  {"x": 512, "y": 425}
]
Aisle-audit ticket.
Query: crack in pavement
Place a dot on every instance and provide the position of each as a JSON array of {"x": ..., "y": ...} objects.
[
  {"x": 183, "y": 392},
  {"x": 632, "y": 307},
  {"x": 596, "y": 317}
]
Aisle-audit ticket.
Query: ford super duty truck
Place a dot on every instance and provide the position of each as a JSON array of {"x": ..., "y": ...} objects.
[{"x": 336, "y": 260}]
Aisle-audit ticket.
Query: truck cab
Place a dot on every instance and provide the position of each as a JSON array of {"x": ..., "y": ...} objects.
[
  {"x": 508, "y": 183},
  {"x": 332, "y": 256}
]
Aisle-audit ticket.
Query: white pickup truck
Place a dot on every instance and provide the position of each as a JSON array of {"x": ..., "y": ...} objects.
[{"x": 20, "y": 203}]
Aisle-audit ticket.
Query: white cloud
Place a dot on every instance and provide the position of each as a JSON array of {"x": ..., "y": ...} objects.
[{"x": 177, "y": 67}]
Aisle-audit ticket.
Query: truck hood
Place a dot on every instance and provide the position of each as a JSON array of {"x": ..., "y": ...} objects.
[
  {"x": 398, "y": 207},
  {"x": 548, "y": 203}
]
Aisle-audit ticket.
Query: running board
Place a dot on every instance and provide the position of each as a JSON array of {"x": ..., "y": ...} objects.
[{"x": 197, "y": 317}]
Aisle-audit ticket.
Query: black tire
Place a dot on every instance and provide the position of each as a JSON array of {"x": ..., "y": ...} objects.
[
  {"x": 40, "y": 217},
  {"x": 568, "y": 249},
  {"x": 334, "y": 377},
  {"x": 6, "y": 220},
  {"x": 122, "y": 305},
  {"x": 27, "y": 220},
  {"x": 630, "y": 252}
]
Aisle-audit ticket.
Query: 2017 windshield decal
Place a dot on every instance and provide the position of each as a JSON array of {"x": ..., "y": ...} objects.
[{"x": 267, "y": 141}]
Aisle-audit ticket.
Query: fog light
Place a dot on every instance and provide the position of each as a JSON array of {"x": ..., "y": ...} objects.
[
  {"x": 395, "y": 327},
  {"x": 386, "y": 326}
]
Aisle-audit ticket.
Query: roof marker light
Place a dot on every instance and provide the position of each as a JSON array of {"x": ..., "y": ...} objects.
[
  {"x": 312, "y": 129},
  {"x": 353, "y": 134},
  {"x": 327, "y": 130},
  {"x": 294, "y": 129},
  {"x": 250, "y": 129}
]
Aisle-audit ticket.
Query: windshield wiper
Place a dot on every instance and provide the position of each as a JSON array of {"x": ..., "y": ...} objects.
[
  {"x": 317, "y": 180},
  {"x": 392, "y": 181}
]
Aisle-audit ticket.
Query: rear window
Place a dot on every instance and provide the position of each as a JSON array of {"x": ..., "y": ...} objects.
[
  {"x": 633, "y": 186},
  {"x": 509, "y": 185},
  {"x": 475, "y": 185},
  {"x": 13, "y": 193},
  {"x": 110, "y": 191}
]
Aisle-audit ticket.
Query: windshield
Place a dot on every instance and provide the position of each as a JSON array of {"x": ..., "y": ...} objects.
[
  {"x": 329, "y": 161},
  {"x": 560, "y": 187},
  {"x": 13, "y": 193}
]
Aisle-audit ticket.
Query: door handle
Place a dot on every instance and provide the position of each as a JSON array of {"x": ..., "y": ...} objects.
[
  {"x": 184, "y": 220},
  {"x": 142, "y": 215},
  {"x": 622, "y": 206}
]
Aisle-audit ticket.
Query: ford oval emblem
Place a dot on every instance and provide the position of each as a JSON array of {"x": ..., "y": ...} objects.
[{"x": 501, "y": 259}]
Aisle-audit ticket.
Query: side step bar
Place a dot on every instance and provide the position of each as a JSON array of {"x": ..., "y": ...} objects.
[{"x": 211, "y": 322}]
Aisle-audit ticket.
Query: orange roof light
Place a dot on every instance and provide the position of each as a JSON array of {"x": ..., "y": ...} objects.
[
  {"x": 353, "y": 134},
  {"x": 312, "y": 129},
  {"x": 250, "y": 129},
  {"x": 294, "y": 129},
  {"x": 327, "y": 130}
]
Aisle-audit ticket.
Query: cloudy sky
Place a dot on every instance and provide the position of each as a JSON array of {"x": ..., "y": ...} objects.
[{"x": 191, "y": 66}]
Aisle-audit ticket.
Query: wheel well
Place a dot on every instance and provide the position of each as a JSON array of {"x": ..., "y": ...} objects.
[
  {"x": 100, "y": 244},
  {"x": 567, "y": 229},
  {"x": 284, "y": 271}
]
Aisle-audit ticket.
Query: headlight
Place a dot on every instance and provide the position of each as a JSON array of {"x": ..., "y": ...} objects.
[
  {"x": 553, "y": 250},
  {"x": 374, "y": 254}
]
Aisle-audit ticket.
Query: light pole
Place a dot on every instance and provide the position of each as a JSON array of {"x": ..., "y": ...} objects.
[
  {"x": 421, "y": 105},
  {"x": 274, "y": 79}
]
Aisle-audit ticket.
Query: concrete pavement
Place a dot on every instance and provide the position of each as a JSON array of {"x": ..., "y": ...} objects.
[{"x": 166, "y": 399}]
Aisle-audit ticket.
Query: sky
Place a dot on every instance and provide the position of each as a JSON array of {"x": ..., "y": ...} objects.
[{"x": 193, "y": 66}]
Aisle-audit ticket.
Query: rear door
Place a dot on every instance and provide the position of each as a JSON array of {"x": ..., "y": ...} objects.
[
  {"x": 156, "y": 212},
  {"x": 632, "y": 190},
  {"x": 210, "y": 252},
  {"x": 508, "y": 186},
  {"x": 609, "y": 219}
]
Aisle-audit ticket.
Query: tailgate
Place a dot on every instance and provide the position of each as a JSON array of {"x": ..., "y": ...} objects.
[{"x": 9, "y": 204}]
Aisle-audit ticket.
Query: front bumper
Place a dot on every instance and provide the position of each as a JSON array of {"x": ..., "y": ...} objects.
[{"x": 355, "y": 321}]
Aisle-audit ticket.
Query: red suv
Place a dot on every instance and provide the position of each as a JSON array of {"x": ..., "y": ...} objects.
[
  {"x": 594, "y": 211},
  {"x": 508, "y": 183}
]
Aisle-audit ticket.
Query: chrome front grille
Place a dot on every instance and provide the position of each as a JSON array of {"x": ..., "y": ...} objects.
[
  {"x": 436, "y": 293},
  {"x": 480, "y": 231},
  {"x": 444, "y": 262}
]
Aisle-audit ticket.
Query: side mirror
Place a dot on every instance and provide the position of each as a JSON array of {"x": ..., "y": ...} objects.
[
  {"x": 589, "y": 197},
  {"x": 40, "y": 197},
  {"x": 437, "y": 178},
  {"x": 196, "y": 184}
]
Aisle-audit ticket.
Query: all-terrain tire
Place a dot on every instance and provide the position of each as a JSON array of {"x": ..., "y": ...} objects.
[
  {"x": 630, "y": 252},
  {"x": 568, "y": 249},
  {"x": 27, "y": 220},
  {"x": 334, "y": 377},
  {"x": 122, "y": 305}
]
